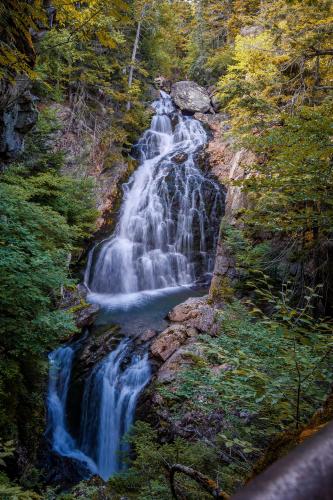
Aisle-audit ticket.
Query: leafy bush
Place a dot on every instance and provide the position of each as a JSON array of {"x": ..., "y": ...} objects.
[
  {"x": 44, "y": 218},
  {"x": 250, "y": 372}
]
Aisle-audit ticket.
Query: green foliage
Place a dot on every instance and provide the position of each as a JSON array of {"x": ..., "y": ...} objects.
[
  {"x": 251, "y": 372},
  {"x": 68, "y": 197},
  {"x": 8, "y": 490},
  {"x": 17, "y": 20},
  {"x": 44, "y": 218},
  {"x": 248, "y": 255},
  {"x": 277, "y": 92},
  {"x": 294, "y": 186},
  {"x": 147, "y": 477},
  {"x": 38, "y": 156}
]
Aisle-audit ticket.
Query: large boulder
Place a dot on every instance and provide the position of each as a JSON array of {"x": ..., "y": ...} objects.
[
  {"x": 190, "y": 97},
  {"x": 196, "y": 312}
]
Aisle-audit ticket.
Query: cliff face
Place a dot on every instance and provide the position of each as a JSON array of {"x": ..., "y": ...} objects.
[
  {"x": 18, "y": 114},
  {"x": 227, "y": 164},
  {"x": 87, "y": 155}
]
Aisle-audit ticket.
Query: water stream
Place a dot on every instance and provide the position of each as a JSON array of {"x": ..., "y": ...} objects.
[{"x": 163, "y": 245}]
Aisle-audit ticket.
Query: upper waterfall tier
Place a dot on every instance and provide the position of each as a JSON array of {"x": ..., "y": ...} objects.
[{"x": 168, "y": 224}]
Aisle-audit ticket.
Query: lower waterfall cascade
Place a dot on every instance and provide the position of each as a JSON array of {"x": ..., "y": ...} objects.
[{"x": 165, "y": 239}]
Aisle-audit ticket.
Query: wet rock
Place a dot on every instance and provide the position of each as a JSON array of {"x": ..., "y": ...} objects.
[
  {"x": 170, "y": 340},
  {"x": 163, "y": 83},
  {"x": 86, "y": 316},
  {"x": 153, "y": 93},
  {"x": 95, "y": 349},
  {"x": 190, "y": 97},
  {"x": 63, "y": 471},
  {"x": 197, "y": 313},
  {"x": 146, "y": 337},
  {"x": 179, "y": 158},
  {"x": 74, "y": 301}
]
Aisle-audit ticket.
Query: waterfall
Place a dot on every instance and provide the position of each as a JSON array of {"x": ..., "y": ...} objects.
[
  {"x": 165, "y": 238},
  {"x": 165, "y": 223},
  {"x": 109, "y": 402},
  {"x": 60, "y": 367}
]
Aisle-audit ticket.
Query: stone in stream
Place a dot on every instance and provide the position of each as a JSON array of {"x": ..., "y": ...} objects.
[
  {"x": 179, "y": 157},
  {"x": 190, "y": 97}
]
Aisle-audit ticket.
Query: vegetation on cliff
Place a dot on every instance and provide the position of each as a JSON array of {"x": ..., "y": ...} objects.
[{"x": 268, "y": 65}]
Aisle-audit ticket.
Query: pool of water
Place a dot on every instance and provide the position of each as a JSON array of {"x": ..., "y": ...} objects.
[{"x": 138, "y": 312}]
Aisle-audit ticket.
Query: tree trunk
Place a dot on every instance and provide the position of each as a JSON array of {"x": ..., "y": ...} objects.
[
  {"x": 135, "y": 50},
  {"x": 205, "y": 482}
]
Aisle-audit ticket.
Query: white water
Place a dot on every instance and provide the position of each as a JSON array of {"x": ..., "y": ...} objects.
[
  {"x": 109, "y": 401},
  {"x": 60, "y": 367},
  {"x": 165, "y": 239},
  {"x": 165, "y": 223}
]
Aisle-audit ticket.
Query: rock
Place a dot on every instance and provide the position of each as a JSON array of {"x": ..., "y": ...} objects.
[
  {"x": 86, "y": 316},
  {"x": 86, "y": 157},
  {"x": 221, "y": 368},
  {"x": 179, "y": 158},
  {"x": 216, "y": 123},
  {"x": 18, "y": 114},
  {"x": 153, "y": 93},
  {"x": 95, "y": 348},
  {"x": 177, "y": 361},
  {"x": 74, "y": 300},
  {"x": 163, "y": 83},
  {"x": 227, "y": 165},
  {"x": 195, "y": 312},
  {"x": 146, "y": 336},
  {"x": 251, "y": 30},
  {"x": 170, "y": 340},
  {"x": 190, "y": 97}
]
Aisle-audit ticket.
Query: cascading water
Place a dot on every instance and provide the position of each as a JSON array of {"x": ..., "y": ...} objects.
[
  {"x": 165, "y": 220},
  {"x": 60, "y": 362},
  {"x": 109, "y": 401},
  {"x": 165, "y": 238}
]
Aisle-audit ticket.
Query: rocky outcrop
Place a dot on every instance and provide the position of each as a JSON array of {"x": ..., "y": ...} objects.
[
  {"x": 227, "y": 164},
  {"x": 190, "y": 97},
  {"x": 195, "y": 312},
  {"x": 172, "y": 349},
  {"x": 95, "y": 348},
  {"x": 170, "y": 340},
  {"x": 18, "y": 114},
  {"x": 179, "y": 157},
  {"x": 74, "y": 301}
]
